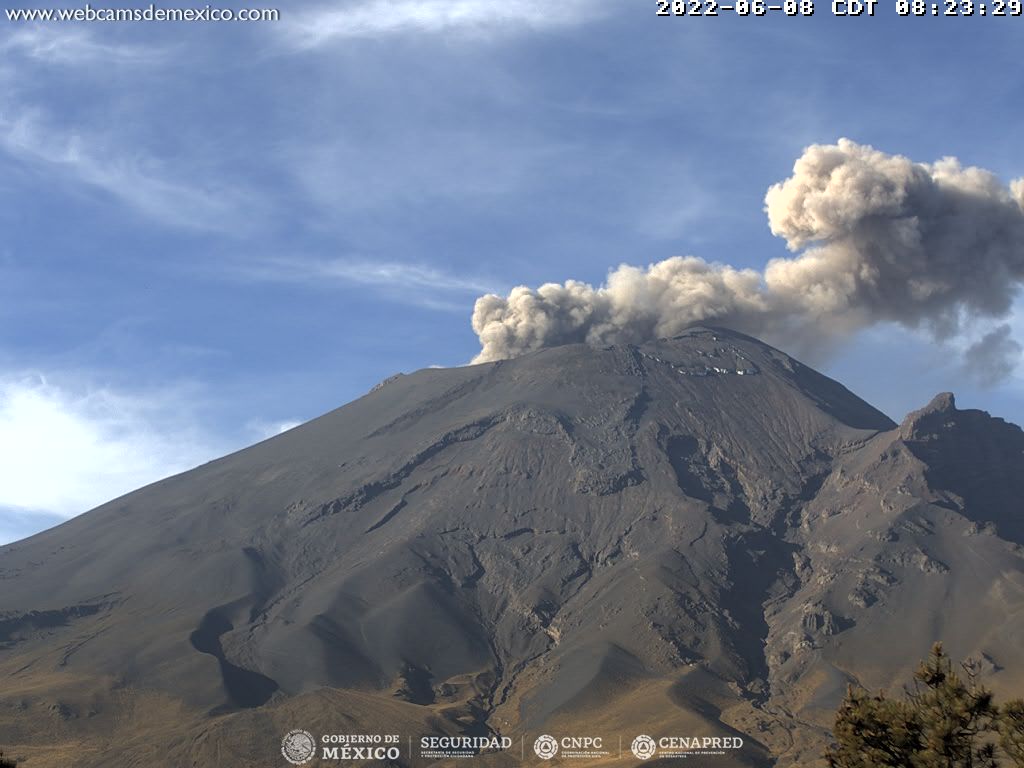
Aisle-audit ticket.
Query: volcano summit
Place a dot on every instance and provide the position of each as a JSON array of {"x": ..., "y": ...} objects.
[{"x": 694, "y": 537}]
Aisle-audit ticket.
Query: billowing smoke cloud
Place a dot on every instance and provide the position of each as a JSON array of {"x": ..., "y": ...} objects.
[
  {"x": 877, "y": 238},
  {"x": 993, "y": 357}
]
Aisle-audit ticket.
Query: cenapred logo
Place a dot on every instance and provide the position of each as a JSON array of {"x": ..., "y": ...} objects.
[
  {"x": 643, "y": 747},
  {"x": 298, "y": 746},
  {"x": 546, "y": 747}
]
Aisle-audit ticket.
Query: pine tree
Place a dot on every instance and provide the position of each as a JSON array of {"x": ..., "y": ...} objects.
[
  {"x": 874, "y": 732},
  {"x": 958, "y": 716},
  {"x": 1011, "y": 731},
  {"x": 947, "y": 720}
]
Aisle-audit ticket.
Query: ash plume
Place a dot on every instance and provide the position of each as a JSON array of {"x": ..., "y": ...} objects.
[
  {"x": 993, "y": 357},
  {"x": 876, "y": 237}
]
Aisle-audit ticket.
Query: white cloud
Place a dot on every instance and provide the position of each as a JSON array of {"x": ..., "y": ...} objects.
[
  {"x": 378, "y": 18},
  {"x": 67, "y": 449},
  {"x": 135, "y": 179}
]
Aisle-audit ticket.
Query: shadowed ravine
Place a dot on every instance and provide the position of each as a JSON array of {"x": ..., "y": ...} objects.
[{"x": 243, "y": 687}]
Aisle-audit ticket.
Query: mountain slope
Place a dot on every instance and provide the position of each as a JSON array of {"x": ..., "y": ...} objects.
[{"x": 699, "y": 535}]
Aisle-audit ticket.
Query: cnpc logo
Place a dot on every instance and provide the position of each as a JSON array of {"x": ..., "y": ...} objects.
[{"x": 547, "y": 747}]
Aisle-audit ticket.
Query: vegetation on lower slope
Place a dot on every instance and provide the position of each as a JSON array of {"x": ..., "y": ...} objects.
[{"x": 948, "y": 720}]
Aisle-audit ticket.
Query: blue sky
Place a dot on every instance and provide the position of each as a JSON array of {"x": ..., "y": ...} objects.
[{"x": 213, "y": 231}]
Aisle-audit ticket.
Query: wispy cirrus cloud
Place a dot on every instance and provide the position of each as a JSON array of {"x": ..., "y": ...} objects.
[
  {"x": 378, "y": 18},
  {"x": 405, "y": 282},
  {"x": 136, "y": 180},
  {"x": 108, "y": 156},
  {"x": 69, "y": 45}
]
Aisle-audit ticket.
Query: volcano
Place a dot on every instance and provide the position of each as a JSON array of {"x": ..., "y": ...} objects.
[{"x": 694, "y": 537}]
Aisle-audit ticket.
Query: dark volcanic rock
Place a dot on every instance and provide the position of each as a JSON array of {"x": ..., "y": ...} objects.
[{"x": 693, "y": 536}]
